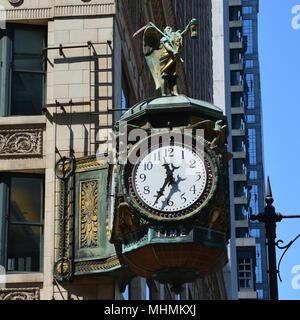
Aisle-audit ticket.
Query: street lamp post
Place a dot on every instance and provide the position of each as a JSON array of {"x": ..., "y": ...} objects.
[{"x": 270, "y": 218}]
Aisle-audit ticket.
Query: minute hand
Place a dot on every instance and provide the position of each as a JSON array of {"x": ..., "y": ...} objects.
[
  {"x": 168, "y": 181},
  {"x": 173, "y": 190}
]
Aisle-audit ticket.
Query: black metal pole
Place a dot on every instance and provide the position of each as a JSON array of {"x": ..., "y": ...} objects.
[
  {"x": 270, "y": 217},
  {"x": 270, "y": 222}
]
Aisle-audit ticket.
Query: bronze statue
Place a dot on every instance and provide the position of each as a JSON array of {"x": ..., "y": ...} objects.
[{"x": 162, "y": 52}]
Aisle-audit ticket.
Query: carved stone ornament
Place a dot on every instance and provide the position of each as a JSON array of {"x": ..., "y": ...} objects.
[
  {"x": 20, "y": 142},
  {"x": 19, "y": 294}
]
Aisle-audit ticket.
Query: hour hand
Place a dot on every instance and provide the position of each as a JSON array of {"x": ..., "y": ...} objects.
[
  {"x": 160, "y": 192},
  {"x": 168, "y": 181},
  {"x": 169, "y": 177}
]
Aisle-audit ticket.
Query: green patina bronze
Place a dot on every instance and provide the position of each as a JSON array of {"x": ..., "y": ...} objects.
[
  {"x": 207, "y": 230},
  {"x": 162, "y": 53}
]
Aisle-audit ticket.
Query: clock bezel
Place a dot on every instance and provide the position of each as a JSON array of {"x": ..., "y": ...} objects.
[{"x": 140, "y": 207}]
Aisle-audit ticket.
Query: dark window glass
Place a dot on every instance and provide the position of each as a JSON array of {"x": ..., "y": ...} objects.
[
  {"x": 27, "y": 94},
  {"x": 242, "y": 233},
  {"x": 241, "y": 212},
  {"x": 24, "y": 248},
  {"x": 23, "y": 71},
  {"x": 26, "y": 199},
  {"x": 28, "y": 46},
  {"x": 25, "y": 224},
  {"x": 28, "y": 71}
]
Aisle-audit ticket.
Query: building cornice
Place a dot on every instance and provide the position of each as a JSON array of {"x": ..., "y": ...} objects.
[{"x": 56, "y": 11}]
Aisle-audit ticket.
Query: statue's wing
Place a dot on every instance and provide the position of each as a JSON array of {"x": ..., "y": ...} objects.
[{"x": 151, "y": 50}]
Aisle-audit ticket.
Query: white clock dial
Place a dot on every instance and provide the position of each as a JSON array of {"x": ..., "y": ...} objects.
[{"x": 170, "y": 178}]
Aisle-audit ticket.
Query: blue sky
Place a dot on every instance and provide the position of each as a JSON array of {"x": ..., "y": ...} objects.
[{"x": 279, "y": 52}]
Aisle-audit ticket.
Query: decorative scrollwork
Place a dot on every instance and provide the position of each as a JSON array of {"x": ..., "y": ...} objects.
[
  {"x": 285, "y": 248},
  {"x": 88, "y": 219},
  {"x": 19, "y": 294},
  {"x": 16, "y": 142},
  {"x": 63, "y": 269},
  {"x": 64, "y": 168},
  {"x": 96, "y": 265}
]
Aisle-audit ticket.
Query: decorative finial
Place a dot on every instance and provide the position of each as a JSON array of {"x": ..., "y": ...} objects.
[{"x": 269, "y": 197}]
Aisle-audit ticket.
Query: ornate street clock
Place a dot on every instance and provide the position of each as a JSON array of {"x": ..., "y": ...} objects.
[
  {"x": 165, "y": 213},
  {"x": 172, "y": 213},
  {"x": 170, "y": 181}
]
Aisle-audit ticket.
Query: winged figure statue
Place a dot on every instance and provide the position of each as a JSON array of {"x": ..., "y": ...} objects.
[{"x": 162, "y": 53}]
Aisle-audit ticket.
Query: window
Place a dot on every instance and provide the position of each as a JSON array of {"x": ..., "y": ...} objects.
[
  {"x": 237, "y": 122},
  {"x": 22, "y": 216},
  {"x": 253, "y": 199},
  {"x": 235, "y": 56},
  {"x": 239, "y": 166},
  {"x": 234, "y": 13},
  {"x": 250, "y": 118},
  {"x": 252, "y": 146},
  {"x": 236, "y": 100},
  {"x": 241, "y": 212},
  {"x": 248, "y": 36},
  {"x": 235, "y": 78},
  {"x": 245, "y": 273},
  {"x": 258, "y": 268},
  {"x": 148, "y": 290},
  {"x": 235, "y": 34},
  {"x": 23, "y": 71},
  {"x": 238, "y": 144},
  {"x": 247, "y": 10},
  {"x": 250, "y": 99},
  {"x": 253, "y": 175},
  {"x": 260, "y": 294},
  {"x": 242, "y": 232},
  {"x": 126, "y": 293},
  {"x": 126, "y": 99},
  {"x": 249, "y": 64},
  {"x": 239, "y": 189},
  {"x": 254, "y": 233}
]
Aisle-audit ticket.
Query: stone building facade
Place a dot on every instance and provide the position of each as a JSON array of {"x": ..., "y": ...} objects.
[{"x": 68, "y": 67}]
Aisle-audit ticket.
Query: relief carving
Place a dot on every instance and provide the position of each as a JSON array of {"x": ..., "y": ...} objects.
[
  {"x": 88, "y": 214},
  {"x": 19, "y": 142},
  {"x": 19, "y": 294}
]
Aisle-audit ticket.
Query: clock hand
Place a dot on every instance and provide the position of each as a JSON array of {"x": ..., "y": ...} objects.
[
  {"x": 173, "y": 190},
  {"x": 168, "y": 180},
  {"x": 160, "y": 193}
]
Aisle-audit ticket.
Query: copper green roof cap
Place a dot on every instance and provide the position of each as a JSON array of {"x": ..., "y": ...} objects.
[{"x": 172, "y": 104}]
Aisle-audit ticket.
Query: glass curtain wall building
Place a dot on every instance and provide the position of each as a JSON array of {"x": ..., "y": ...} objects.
[{"x": 249, "y": 186}]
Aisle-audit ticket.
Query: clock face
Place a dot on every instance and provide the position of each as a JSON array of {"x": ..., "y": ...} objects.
[{"x": 170, "y": 181}]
